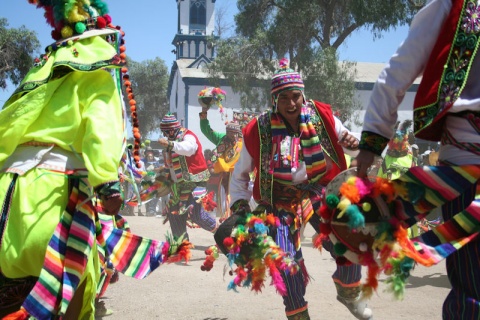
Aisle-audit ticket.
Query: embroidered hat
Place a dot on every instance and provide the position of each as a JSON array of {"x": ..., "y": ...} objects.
[
  {"x": 169, "y": 121},
  {"x": 285, "y": 79}
]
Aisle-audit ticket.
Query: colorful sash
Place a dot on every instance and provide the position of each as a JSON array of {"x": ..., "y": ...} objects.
[
  {"x": 315, "y": 143},
  {"x": 70, "y": 247}
]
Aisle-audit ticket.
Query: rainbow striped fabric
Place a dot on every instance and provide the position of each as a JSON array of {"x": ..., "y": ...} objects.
[{"x": 453, "y": 188}]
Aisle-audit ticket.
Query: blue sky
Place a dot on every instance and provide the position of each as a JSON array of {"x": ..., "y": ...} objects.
[{"x": 150, "y": 27}]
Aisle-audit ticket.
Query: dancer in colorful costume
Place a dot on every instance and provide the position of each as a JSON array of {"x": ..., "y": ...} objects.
[
  {"x": 63, "y": 135},
  {"x": 295, "y": 151},
  {"x": 399, "y": 156},
  {"x": 227, "y": 147},
  {"x": 153, "y": 167},
  {"x": 442, "y": 46},
  {"x": 188, "y": 173}
]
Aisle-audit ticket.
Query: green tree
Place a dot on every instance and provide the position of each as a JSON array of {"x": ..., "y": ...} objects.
[
  {"x": 17, "y": 47},
  {"x": 149, "y": 80},
  {"x": 309, "y": 33}
]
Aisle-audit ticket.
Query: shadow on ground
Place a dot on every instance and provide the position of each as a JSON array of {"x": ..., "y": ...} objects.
[{"x": 435, "y": 280}]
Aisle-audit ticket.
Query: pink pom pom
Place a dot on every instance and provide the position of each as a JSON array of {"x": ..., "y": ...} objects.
[
  {"x": 107, "y": 18},
  {"x": 284, "y": 62}
]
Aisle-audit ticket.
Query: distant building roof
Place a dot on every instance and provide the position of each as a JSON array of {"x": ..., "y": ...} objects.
[{"x": 367, "y": 72}]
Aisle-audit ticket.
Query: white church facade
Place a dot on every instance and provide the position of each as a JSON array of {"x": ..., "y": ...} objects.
[{"x": 193, "y": 52}]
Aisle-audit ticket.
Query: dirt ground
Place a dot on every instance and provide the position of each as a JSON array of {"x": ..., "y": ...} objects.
[{"x": 183, "y": 291}]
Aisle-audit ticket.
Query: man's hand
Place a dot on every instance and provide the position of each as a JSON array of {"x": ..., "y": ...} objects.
[
  {"x": 364, "y": 161},
  {"x": 163, "y": 142},
  {"x": 112, "y": 205},
  {"x": 348, "y": 141}
]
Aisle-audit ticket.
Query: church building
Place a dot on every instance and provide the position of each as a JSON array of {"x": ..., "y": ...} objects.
[{"x": 195, "y": 26}]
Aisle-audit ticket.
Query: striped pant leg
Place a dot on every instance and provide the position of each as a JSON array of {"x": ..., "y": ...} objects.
[
  {"x": 202, "y": 217},
  {"x": 295, "y": 299},
  {"x": 346, "y": 276},
  {"x": 463, "y": 270}
]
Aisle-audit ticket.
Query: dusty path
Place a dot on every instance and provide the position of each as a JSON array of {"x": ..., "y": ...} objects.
[{"x": 180, "y": 291}]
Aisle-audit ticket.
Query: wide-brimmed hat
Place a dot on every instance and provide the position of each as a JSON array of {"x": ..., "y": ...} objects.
[
  {"x": 356, "y": 207},
  {"x": 211, "y": 96}
]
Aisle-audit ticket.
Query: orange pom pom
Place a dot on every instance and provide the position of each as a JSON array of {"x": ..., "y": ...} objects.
[
  {"x": 137, "y": 135},
  {"x": 350, "y": 192},
  {"x": 127, "y": 83},
  {"x": 123, "y": 55},
  {"x": 132, "y": 102}
]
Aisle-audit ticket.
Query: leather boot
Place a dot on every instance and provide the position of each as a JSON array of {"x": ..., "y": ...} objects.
[{"x": 351, "y": 297}]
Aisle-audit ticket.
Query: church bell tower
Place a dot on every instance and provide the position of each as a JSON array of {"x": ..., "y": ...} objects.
[{"x": 196, "y": 20}]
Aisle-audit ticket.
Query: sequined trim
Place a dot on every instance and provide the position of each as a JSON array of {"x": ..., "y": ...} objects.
[{"x": 457, "y": 67}]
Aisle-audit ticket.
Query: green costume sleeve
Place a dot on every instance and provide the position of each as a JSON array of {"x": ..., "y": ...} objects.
[{"x": 213, "y": 136}]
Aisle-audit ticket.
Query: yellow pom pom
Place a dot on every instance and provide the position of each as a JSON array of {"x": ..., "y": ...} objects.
[
  {"x": 351, "y": 180},
  {"x": 67, "y": 32},
  {"x": 343, "y": 205},
  {"x": 366, "y": 207}
]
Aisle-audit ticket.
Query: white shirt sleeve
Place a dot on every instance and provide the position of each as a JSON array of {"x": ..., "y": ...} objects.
[
  {"x": 404, "y": 67},
  {"x": 187, "y": 147},
  {"x": 339, "y": 128},
  {"x": 241, "y": 177}
]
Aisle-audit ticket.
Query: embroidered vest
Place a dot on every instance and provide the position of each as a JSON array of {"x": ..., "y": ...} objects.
[
  {"x": 447, "y": 69},
  {"x": 193, "y": 168}
]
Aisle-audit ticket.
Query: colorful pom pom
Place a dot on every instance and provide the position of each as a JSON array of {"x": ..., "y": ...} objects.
[{"x": 80, "y": 27}]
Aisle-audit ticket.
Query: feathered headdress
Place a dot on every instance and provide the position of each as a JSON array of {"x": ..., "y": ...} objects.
[
  {"x": 74, "y": 17},
  {"x": 74, "y": 20}
]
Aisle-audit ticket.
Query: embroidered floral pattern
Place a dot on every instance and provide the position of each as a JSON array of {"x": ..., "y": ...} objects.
[
  {"x": 448, "y": 95},
  {"x": 373, "y": 142},
  {"x": 471, "y": 20}
]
